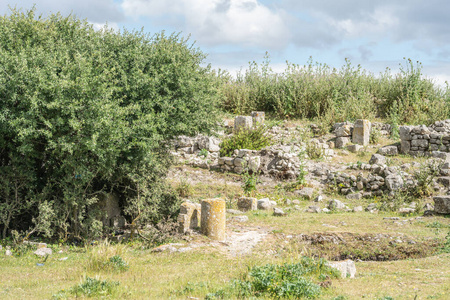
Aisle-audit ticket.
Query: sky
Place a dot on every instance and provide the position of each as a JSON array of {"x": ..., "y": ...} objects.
[{"x": 375, "y": 34}]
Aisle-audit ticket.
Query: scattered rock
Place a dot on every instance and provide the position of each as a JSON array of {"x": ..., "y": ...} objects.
[
  {"x": 247, "y": 203},
  {"x": 354, "y": 148},
  {"x": 8, "y": 252},
  {"x": 336, "y": 204},
  {"x": 358, "y": 209},
  {"x": 313, "y": 209},
  {"x": 354, "y": 196},
  {"x": 305, "y": 192},
  {"x": 234, "y": 212},
  {"x": 278, "y": 212},
  {"x": 388, "y": 150},
  {"x": 264, "y": 204},
  {"x": 377, "y": 159},
  {"x": 406, "y": 210},
  {"x": 43, "y": 251},
  {"x": 319, "y": 198},
  {"x": 346, "y": 267},
  {"x": 240, "y": 218}
]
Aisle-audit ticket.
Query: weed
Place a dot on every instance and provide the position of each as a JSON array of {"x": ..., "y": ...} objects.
[
  {"x": 314, "y": 150},
  {"x": 105, "y": 257},
  {"x": 249, "y": 181},
  {"x": 437, "y": 224},
  {"x": 89, "y": 287},
  {"x": 446, "y": 246},
  {"x": 293, "y": 281},
  {"x": 184, "y": 188},
  {"x": 375, "y": 136},
  {"x": 203, "y": 153}
]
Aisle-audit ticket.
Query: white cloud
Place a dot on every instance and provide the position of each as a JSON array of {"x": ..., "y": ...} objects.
[{"x": 214, "y": 22}]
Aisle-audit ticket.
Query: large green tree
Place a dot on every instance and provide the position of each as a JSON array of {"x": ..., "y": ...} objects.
[{"x": 84, "y": 112}]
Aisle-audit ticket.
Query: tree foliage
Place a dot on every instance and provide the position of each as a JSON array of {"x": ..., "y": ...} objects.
[{"x": 86, "y": 112}]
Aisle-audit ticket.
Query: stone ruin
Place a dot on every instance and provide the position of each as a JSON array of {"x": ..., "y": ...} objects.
[
  {"x": 421, "y": 140},
  {"x": 209, "y": 216},
  {"x": 357, "y": 133}
]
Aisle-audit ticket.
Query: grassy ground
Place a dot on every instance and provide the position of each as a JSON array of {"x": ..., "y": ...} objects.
[
  {"x": 179, "y": 275},
  {"x": 414, "y": 269}
]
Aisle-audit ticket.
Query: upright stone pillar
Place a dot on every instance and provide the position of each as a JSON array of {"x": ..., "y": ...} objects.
[
  {"x": 213, "y": 219},
  {"x": 361, "y": 132},
  {"x": 242, "y": 122},
  {"x": 258, "y": 117}
]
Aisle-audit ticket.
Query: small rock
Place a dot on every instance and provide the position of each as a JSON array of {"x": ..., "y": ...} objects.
[
  {"x": 319, "y": 198},
  {"x": 313, "y": 209},
  {"x": 295, "y": 201},
  {"x": 305, "y": 192},
  {"x": 406, "y": 210},
  {"x": 287, "y": 202},
  {"x": 278, "y": 212},
  {"x": 234, "y": 212},
  {"x": 358, "y": 209},
  {"x": 388, "y": 150},
  {"x": 377, "y": 159},
  {"x": 325, "y": 210},
  {"x": 240, "y": 218},
  {"x": 354, "y": 148},
  {"x": 355, "y": 196},
  {"x": 43, "y": 251},
  {"x": 63, "y": 258},
  {"x": 336, "y": 204},
  {"x": 264, "y": 204},
  {"x": 8, "y": 253}
]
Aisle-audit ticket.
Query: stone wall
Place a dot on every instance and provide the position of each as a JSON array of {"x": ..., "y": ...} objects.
[{"x": 421, "y": 140}]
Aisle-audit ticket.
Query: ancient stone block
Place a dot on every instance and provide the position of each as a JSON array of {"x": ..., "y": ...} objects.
[
  {"x": 361, "y": 132},
  {"x": 388, "y": 150},
  {"x": 189, "y": 217},
  {"x": 243, "y": 122},
  {"x": 346, "y": 267},
  {"x": 213, "y": 219},
  {"x": 247, "y": 203},
  {"x": 344, "y": 130},
  {"x": 377, "y": 159},
  {"x": 442, "y": 204},
  {"x": 258, "y": 117},
  {"x": 341, "y": 142}
]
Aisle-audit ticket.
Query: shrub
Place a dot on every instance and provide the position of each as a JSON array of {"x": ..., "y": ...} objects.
[
  {"x": 85, "y": 112},
  {"x": 252, "y": 139}
]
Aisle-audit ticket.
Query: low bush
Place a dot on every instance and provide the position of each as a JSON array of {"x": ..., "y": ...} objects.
[{"x": 252, "y": 139}]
